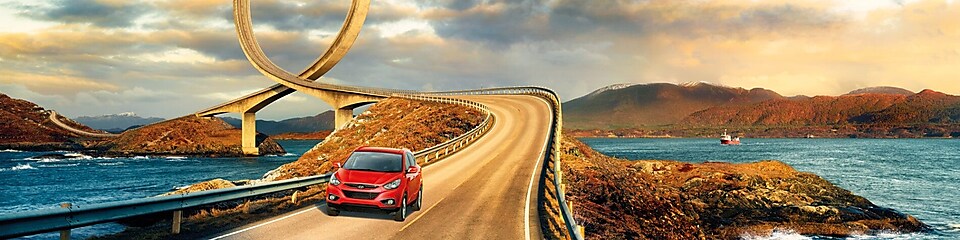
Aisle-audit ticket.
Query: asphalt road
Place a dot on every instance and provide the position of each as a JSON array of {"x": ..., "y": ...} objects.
[{"x": 486, "y": 191}]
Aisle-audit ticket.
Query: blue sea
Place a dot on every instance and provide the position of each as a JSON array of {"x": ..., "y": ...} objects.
[
  {"x": 30, "y": 183},
  {"x": 920, "y": 177}
]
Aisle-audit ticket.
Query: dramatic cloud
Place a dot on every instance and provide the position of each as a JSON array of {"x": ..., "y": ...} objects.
[
  {"x": 172, "y": 57},
  {"x": 104, "y": 13}
]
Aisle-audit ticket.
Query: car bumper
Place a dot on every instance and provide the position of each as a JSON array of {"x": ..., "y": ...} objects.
[{"x": 336, "y": 198}]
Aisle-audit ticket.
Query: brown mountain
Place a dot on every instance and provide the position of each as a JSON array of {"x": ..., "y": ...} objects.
[
  {"x": 881, "y": 90},
  {"x": 865, "y": 108},
  {"x": 819, "y": 110},
  {"x": 26, "y": 126},
  {"x": 310, "y": 124},
  {"x": 628, "y": 106},
  {"x": 186, "y": 136}
]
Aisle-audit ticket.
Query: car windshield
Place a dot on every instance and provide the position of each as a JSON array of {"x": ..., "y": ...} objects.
[{"x": 375, "y": 161}]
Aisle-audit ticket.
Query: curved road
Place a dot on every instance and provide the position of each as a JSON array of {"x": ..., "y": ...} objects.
[
  {"x": 54, "y": 118},
  {"x": 486, "y": 191}
]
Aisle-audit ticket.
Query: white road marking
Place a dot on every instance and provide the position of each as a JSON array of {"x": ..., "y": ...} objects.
[
  {"x": 421, "y": 214},
  {"x": 262, "y": 224},
  {"x": 526, "y": 208}
]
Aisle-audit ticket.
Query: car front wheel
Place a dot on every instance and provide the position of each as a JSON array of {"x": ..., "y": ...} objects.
[
  {"x": 419, "y": 203},
  {"x": 402, "y": 212},
  {"x": 332, "y": 211}
]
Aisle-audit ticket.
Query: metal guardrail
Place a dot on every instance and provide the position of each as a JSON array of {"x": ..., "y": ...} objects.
[
  {"x": 47, "y": 220},
  {"x": 453, "y": 145},
  {"x": 575, "y": 230}
]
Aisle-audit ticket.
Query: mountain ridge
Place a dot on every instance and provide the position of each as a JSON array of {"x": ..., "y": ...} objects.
[{"x": 703, "y": 104}]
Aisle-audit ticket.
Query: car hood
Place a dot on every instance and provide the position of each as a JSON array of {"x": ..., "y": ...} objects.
[{"x": 368, "y": 177}]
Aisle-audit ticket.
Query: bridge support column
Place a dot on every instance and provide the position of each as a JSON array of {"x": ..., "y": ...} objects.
[
  {"x": 249, "y": 137},
  {"x": 342, "y": 116}
]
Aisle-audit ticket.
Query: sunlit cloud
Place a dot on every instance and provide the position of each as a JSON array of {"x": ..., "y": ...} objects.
[{"x": 96, "y": 56}]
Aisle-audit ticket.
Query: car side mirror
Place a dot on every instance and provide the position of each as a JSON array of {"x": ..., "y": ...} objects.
[{"x": 412, "y": 170}]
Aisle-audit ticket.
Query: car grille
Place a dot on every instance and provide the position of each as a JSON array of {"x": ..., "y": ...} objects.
[
  {"x": 361, "y": 186},
  {"x": 360, "y": 195}
]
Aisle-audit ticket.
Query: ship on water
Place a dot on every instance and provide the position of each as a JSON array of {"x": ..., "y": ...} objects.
[{"x": 726, "y": 139}]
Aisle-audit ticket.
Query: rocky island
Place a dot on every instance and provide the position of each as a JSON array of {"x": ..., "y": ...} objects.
[
  {"x": 675, "y": 200},
  {"x": 185, "y": 136}
]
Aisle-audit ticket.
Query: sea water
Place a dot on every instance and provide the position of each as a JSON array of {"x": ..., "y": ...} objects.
[
  {"x": 920, "y": 177},
  {"x": 30, "y": 182}
]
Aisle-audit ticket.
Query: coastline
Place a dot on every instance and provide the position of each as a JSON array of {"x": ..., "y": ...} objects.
[{"x": 669, "y": 199}]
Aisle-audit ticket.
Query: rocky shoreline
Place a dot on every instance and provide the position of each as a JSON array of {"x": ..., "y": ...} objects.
[
  {"x": 841, "y": 131},
  {"x": 653, "y": 199}
]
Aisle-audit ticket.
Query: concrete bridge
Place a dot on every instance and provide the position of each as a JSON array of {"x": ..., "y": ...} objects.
[
  {"x": 486, "y": 188},
  {"x": 343, "y": 99}
]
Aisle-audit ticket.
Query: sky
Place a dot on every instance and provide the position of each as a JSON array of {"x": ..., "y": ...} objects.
[{"x": 169, "y": 58}]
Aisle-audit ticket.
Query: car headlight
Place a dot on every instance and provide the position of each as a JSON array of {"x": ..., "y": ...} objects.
[
  {"x": 334, "y": 180},
  {"x": 392, "y": 185}
]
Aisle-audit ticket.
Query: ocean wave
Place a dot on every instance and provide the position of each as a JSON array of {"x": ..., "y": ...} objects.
[
  {"x": 59, "y": 165},
  {"x": 888, "y": 235},
  {"x": 777, "y": 235},
  {"x": 110, "y": 163},
  {"x": 19, "y": 167},
  {"x": 176, "y": 158},
  {"x": 953, "y": 227},
  {"x": 10, "y": 151},
  {"x": 77, "y": 156},
  {"x": 283, "y": 155},
  {"x": 140, "y": 157}
]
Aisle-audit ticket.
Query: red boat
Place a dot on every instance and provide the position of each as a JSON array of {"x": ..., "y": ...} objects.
[{"x": 728, "y": 140}]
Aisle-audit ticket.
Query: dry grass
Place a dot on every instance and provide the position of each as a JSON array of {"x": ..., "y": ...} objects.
[
  {"x": 209, "y": 220},
  {"x": 396, "y": 123}
]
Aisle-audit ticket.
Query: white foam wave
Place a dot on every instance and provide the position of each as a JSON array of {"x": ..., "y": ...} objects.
[
  {"x": 140, "y": 157},
  {"x": 888, "y": 236},
  {"x": 110, "y": 163},
  {"x": 953, "y": 227},
  {"x": 19, "y": 167},
  {"x": 47, "y": 160},
  {"x": 777, "y": 235},
  {"x": 10, "y": 150},
  {"x": 176, "y": 158},
  {"x": 60, "y": 165},
  {"x": 77, "y": 156}
]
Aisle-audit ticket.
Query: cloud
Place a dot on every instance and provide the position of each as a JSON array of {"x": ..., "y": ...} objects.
[
  {"x": 103, "y": 13},
  {"x": 60, "y": 85},
  {"x": 186, "y": 50}
]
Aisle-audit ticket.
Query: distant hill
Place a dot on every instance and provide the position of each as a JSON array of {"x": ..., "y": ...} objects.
[
  {"x": 320, "y": 122},
  {"x": 819, "y": 110},
  {"x": 26, "y": 126},
  {"x": 185, "y": 136},
  {"x": 629, "y": 106},
  {"x": 117, "y": 122},
  {"x": 927, "y": 107},
  {"x": 882, "y": 90}
]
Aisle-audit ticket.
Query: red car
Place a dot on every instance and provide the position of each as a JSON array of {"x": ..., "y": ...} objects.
[{"x": 388, "y": 179}]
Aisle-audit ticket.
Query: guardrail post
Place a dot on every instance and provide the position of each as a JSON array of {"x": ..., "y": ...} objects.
[
  {"x": 582, "y": 230},
  {"x": 177, "y": 219},
  {"x": 65, "y": 234},
  {"x": 293, "y": 197}
]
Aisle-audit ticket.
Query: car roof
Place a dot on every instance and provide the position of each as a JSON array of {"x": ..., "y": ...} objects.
[{"x": 381, "y": 149}]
